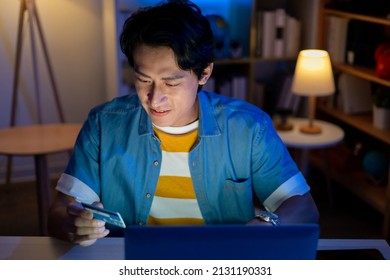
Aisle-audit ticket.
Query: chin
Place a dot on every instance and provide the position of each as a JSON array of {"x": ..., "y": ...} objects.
[{"x": 162, "y": 123}]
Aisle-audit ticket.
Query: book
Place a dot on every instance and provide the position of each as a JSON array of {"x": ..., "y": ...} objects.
[
  {"x": 225, "y": 88},
  {"x": 337, "y": 38},
  {"x": 259, "y": 34},
  {"x": 258, "y": 94},
  {"x": 239, "y": 87},
  {"x": 268, "y": 32},
  {"x": 209, "y": 85},
  {"x": 354, "y": 94},
  {"x": 279, "y": 41},
  {"x": 293, "y": 37},
  {"x": 287, "y": 99}
]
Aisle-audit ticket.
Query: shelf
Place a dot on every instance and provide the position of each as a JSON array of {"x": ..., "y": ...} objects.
[
  {"x": 357, "y": 183},
  {"x": 378, "y": 20},
  {"x": 249, "y": 60},
  {"x": 230, "y": 61},
  {"x": 361, "y": 72},
  {"x": 362, "y": 122}
]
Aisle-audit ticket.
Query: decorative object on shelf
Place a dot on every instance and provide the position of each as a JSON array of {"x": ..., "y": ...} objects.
[
  {"x": 382, "y": 58},
  {"x": 354, "y": 94},
  {"x": 376, "y": 165},
  {"x": 381, "y": 108},
  {"x": 313, "y": 77},
  {"x": 235, "y": 49},
  {"x": 220, "y": 29}
]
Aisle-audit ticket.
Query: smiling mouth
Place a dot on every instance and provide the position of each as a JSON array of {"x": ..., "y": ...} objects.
[{"x": 159, "y": 112}]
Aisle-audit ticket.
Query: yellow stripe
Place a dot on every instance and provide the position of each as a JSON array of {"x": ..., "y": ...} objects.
[
  {"x": 166, "y": 208},
  {"x": 177, "y": 143},
  {"x": 175, "y": 187}
]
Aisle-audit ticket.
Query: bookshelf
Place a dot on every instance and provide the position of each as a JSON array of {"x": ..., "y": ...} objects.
[
  {"x": 243, "y": 23},
  {"x": 355, "y": 180},
  {"x": 259, "y": 69}
]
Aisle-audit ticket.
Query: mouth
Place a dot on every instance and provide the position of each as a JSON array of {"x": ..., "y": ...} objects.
[{"x": 158, "y": 112}]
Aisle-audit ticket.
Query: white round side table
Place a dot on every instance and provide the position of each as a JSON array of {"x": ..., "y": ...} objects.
[{"x": 330, "y": 136}]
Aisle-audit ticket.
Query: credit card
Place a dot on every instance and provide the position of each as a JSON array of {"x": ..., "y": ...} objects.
[{"x": 110, "y": 217}]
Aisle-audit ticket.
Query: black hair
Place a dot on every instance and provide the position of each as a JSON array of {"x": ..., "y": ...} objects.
[{"x": 177, "y": 24}]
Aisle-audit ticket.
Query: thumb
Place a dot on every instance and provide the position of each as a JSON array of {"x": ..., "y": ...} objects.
[{"x": 98, "y": 204}]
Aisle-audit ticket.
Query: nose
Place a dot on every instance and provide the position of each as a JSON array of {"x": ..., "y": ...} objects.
[{"x": 156, "y": 97}]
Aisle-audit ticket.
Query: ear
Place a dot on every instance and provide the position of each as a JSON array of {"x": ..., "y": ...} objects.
[{"x": 206, "y": 74}]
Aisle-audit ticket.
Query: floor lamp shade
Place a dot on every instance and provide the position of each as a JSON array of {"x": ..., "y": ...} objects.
[{"x": 313, "y": 77}]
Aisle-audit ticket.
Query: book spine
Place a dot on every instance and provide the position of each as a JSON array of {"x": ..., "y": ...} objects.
[
  {"x": 280, "y": 24},
  {"x": 259, "y": 34},
  {"x": 293, "y": 37},
  {"x": 268, "y": 32}
]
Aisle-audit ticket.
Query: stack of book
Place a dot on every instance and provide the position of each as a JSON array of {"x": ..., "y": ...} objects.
[
  {"x": 235, "y": 86},
  {"x": 278, "y": 34},
  {"x": 352, "y": 41}
]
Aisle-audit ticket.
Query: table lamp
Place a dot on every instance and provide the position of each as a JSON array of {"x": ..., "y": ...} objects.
[{"x": 313, "y": 77}]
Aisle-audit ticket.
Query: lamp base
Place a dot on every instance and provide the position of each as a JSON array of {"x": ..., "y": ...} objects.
[
  {"x": 310, "y": 129},
  {"x": 284, "y": 126}
]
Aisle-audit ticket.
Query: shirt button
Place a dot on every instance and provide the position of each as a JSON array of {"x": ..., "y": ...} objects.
[
  {"x": 148, "y": 195},
  {"x": 155, "y": 163}
]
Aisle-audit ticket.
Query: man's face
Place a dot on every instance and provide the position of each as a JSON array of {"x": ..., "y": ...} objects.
[{"x": 168, "y": 93}]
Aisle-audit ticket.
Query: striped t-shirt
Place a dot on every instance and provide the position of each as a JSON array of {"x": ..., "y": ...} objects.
[{"x": 175, "y": 202}]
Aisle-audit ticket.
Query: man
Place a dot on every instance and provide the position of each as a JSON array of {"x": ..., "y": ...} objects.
[{"x": 174, "y": 154}]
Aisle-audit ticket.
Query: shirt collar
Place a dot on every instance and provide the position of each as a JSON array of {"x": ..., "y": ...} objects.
[{"x": 208, "y": 124}]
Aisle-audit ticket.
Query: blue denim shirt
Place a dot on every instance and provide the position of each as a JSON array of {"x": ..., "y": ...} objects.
[{"x": 238, "y": 156}]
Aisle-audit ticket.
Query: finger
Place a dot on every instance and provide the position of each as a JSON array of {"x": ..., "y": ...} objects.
[
  {"x": 90, "y": 230},
  {"x": 76, "y": 209},
  {"x": 83, "y": 222},
  {"x": 98, "y": 204},
  {"x": 90, "y": 238},
  {"x": 87, "y": 242}
]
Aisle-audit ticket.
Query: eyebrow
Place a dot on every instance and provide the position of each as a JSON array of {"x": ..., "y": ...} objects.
[{"x": 169, "y": 78}]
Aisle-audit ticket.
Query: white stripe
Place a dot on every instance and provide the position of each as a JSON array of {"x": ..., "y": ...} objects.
[
  {"x": 167, "y": 208},
  {"x": 296, "y": 185},
  {"x": 72, "y": 186},
  {"x": 179, "y": 129},
  {"x": 175, "y": 164}
]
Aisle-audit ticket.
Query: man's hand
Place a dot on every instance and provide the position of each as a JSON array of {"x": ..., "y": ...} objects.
[
  {"x": 69, "y": 221},
  {"x": 86, "y": 229}
]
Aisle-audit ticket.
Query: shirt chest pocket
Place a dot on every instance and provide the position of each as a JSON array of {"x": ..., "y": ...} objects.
[{"x": 237, "y": 200}]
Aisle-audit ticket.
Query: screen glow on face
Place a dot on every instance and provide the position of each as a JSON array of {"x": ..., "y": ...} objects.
[{"x": 167, "y": 93}]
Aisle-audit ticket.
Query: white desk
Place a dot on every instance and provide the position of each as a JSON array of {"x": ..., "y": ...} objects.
[
  {"x": 330, "y": 136},
  {"x": 48, "y": 248}
]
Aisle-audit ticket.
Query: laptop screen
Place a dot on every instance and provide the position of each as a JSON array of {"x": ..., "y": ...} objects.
[{"x": 222, "y": 242}]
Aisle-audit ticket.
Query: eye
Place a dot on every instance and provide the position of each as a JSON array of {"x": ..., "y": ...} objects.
[
  {"x": 172, "y": 85},
  {"x": 142, "y": 80}
]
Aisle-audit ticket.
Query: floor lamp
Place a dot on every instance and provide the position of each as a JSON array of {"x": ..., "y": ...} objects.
[{"x": 28, "y": 7}]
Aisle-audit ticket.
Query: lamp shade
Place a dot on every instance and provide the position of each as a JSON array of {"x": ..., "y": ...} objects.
[{"x": 313, "y": 74}]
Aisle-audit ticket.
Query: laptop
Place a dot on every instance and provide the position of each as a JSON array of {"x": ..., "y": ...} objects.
[{"x": 222, "y": 242}]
